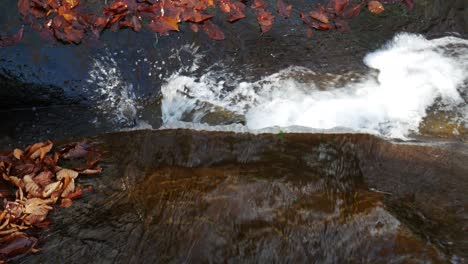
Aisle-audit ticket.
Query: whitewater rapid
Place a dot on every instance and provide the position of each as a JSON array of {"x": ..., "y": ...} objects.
[{"x": 407, "y": 77}]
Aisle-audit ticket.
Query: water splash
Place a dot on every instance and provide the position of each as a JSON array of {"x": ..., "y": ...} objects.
[
  {"x": 407, "y": 77},
  {"x": 114, "y": 97}
]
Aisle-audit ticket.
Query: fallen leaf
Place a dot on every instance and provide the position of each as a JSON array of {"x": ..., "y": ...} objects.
[
  {"x": 17, "y": 153},
  {"x": 193, "y": 27},
  {"x": 68, "y": 188},
  {"x": 375, "y": 7},
  {"x": 43, "y": 178},
  {"x": 78, "y": 192},
  {"x": 339, "y": 5},
  {"x": 320, "y": 15},
  {"x": 32, "y": 188},
  {"x": 91, "y": 171},
  {"x": 258, "y": 4},
  {"x": 352, "y": 11},
  {"x": 283, "y": 9},
  {"x": 266, "y": 19},
  {"x": 212, "y": 30},
  {"x": 310, "y": 32},
  {"x": 19, "y": 245},
  {"x": 164, "y": 24},
  {"x": 66, "y": 202},
  {"x": 66, "y": 173},
  {"x": 40, "y": 150},
  {"x": 23, "y": 7},
  {"x": 50, "y": 188}
]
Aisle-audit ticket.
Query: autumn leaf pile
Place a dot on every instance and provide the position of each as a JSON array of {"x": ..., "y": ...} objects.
[
  {"x": 40, "y": 183},
  {"x": 68, "y": 21}
]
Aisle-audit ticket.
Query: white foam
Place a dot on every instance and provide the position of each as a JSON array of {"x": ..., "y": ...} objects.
[{"x": 413, "y": 75}]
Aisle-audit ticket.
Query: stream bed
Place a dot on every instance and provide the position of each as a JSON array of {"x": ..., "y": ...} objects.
[
  {"x": 263, "y": 148},
  {"x": 180, "y": 196}
]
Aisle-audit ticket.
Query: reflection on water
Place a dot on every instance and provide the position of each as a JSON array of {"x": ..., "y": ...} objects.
[{"x": 184, "y": 196}]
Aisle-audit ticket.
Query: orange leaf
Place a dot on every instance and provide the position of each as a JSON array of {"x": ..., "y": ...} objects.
[
  {"x": 164, "y": 24},
  {"x": 212, "y": 30},
  {"x": 375, "y": 7},
  {"x": 265, "y": 18}
]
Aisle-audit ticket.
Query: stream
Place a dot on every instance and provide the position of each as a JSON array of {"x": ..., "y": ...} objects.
[{"x": 276, "y": 148}]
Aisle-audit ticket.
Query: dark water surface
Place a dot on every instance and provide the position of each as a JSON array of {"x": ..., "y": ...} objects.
[{"x": 181, "y": 196}]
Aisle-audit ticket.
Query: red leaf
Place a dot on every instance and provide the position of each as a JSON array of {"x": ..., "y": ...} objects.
[
  {"x": 339, "y": 5},
  {"x": 23, "y": 7},
  {"x": 314, "y": 23},
  {"x": 212, "y": 30},
  {"x": 17, "y": 246},
  {"x": 265, "y": 18},
  {"x": 194, "y": 16},
  {"x": 258, "y": 4},
  {"x": 193, "y": 27},
  {"x": 283, "y": 9},
  {"x": 352, "y": 11},
  {"x": 237, "y": 11},
  {"x": 375, "y": 7},
  {"x": 163, "y": 25},
  {"x": 310, "y": 32},
  {"x": 320, "y": 15}
]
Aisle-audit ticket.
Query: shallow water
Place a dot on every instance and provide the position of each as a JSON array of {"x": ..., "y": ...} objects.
[{"x": 185, "y": 196}]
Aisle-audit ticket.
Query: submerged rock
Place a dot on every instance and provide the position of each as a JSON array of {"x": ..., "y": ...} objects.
[{"x": 184, "y": 196}]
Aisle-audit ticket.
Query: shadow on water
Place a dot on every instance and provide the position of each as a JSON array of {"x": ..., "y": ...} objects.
[{"x": 183, "y": 196}]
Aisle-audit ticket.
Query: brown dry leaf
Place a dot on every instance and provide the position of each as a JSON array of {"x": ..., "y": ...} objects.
[
  {"x": 37, "y": 209},
  {"x": 31, "y": 187},
  {"x": 68, "y": 188},
  {"x": 91, "y": 171},
  {"x": 43, "y": 178},
  {"x": 16, "y": 181},
  {"x": 164, "y": 24},
  {"x": 375, "y": 7},
  {"x": 61, "y": 174},
  {"x": 66, "y": 203},
  {"x": 17, "y": 153},
  {"x": 49, "y": 189},
  {"x": 41, "y": 151}
]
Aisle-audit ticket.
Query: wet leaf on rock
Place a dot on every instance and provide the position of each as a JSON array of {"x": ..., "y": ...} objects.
[
  {"x": 212, "y": 30},
  {"x": 164, "y": 24},
  {"x": 375, "y": 7},
  {"x": 283, "y": 9},
  {"x": 265, "y": 19}
]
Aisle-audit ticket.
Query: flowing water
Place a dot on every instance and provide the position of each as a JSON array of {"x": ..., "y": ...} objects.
[
  {"x": 346, "y": 148},
  {"x": 409, "y": 79}
]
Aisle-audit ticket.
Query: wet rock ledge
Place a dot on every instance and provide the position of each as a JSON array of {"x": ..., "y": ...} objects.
[{"x": 176, "y": 196}]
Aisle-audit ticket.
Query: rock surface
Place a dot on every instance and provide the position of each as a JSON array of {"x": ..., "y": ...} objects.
[{"x": 182, "y": 196}]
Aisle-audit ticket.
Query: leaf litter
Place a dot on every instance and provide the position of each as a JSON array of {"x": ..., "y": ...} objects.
[{"x": 32, "y": 184}]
